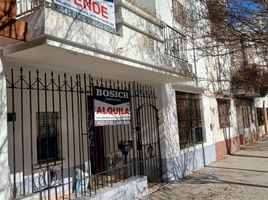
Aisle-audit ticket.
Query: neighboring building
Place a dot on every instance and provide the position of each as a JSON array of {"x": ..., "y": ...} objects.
[{"x": 106, "y": 94}]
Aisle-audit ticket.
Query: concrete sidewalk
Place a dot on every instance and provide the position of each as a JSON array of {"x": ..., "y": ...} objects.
[{"x": 243, "y": 175}]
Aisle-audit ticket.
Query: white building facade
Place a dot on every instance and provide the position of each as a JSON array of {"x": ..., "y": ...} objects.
[{"x": 106, "y": 97}]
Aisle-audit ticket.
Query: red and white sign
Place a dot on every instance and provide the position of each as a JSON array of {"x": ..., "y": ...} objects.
[
  {"x": 111, "y": 106},
  {"x": 99, "y": 13}
]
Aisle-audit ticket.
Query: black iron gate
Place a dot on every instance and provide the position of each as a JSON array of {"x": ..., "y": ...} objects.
[
  {"x": 55, "y": 149},
  {"x": 147, "y": 133}
]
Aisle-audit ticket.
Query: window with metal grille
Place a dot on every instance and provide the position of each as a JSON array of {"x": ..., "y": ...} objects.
[
  {"x": 246, "y": 116},
  {"x": 189, "y": 119},
  {"x": 223, "y": 109},
  {"x": 47, "y": 139},
  {"x": 260, "y": 116},
  {"x": 179, "y": 13}
]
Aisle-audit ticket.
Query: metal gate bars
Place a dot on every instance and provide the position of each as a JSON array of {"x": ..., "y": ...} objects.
[{"x": 56, "y": 148}]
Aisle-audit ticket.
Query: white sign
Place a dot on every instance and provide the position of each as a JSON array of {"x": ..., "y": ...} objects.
[
  {"x": 99, "y": 13},
  {"x": 111, "y": 106}
]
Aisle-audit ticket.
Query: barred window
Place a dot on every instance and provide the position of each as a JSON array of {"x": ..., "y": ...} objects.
[
  {"x": 47, "y": 139},
  {"x": 246, "y": 116},
  {"x": 189, "y": 119},
  {"x": 260, "y": 116},
  {"x": 224, "y": 109},
  {"x": 179, "y": 13}
]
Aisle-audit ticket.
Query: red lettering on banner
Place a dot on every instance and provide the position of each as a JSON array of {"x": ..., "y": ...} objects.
[
  {"x": 104, "y": 12},
  {"x": 78, "y": 3},
  {"x": 92, "y": 6},
  {"x": 87, "y": 4},
  {"x": 112, "y": 110},
  {"x": 96, "y": 8},
  {"x": 99, "y": 110}
]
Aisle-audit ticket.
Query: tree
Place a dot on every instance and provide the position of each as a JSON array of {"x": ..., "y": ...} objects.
[{"x": 238, "y": 29}]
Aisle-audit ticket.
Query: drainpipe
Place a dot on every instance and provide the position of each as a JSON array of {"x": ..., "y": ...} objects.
[
  {"x": 194, "y": 57},
  {"x": 265, "y": 118}
]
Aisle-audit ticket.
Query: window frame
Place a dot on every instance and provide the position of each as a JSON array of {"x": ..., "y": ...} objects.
[
  {"x": 179, "y": 13},
  {"x": 224, "y": 106},
  {"x": 260, "y": 116},
  {"x": 246, "y": 116},
  {"x": 189, "y": 119},
  {"x": 45, "y": 122}
]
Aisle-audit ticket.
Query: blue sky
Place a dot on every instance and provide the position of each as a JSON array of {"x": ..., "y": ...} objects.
[{"x": 243, "y": 9}]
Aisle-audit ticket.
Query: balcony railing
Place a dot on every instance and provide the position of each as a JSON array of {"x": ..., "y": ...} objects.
[
  {"x": 175, "y": 44},
  {"x": 25, "y": 7}
]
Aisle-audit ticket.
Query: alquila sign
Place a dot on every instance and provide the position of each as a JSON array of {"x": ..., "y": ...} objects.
[
  {"x": 99, "y": 13},
  {"x": 111, "y": 106}
]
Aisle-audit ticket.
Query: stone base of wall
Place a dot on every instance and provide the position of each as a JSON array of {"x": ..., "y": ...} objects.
[
  {"x": 251, "y": 138},
  {"x": 242, "y": 139},
  {"x": 227, "y": 147},
  {"x": 187, "y": 161},
  {"x": 132, "y": 189}
]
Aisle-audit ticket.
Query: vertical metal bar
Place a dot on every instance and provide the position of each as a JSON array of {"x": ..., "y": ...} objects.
[
  {"x": 146, "y": 131},
  {"x": 158, "y": 138},
  {"x": 53, "y": 111},
  {"x": 150, "y": 134},
  {"x": 95, "y": 144},
  {"x": 126, "y": 135},
  {"x": 68, "y": 134},
  {"x": 80, "y": 132},
  {"x": 47, "y": 135},
  {"x": 138, "y": 127},
  {"x": 114, "y": 132},
  {"x": 87, "y": 91},
  {"x": 150, "y": 107},
  {"x": 55, "y": 132},
  {"x": 110, "y": 157},
  {"x": 154, "y": 135},
  {"x": 13, "y": 134},
  {"x": 38, "y": 113},
  {"x": 109, "y": 153},
  {"x": 115, "y": 148},
  {"x": 106, "y": 149},
  {"x": 22, "y": 130},
  {"x": 31, "y": 127},
  {"x": 132, "y": 126},
  {"x": 143, "y": 129},
  {"x": 74, "y": 145},
  {"x": 61, "y": 135}
]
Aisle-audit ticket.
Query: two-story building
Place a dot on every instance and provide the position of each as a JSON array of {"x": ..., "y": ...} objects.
[{"x": 107, "y": 98}]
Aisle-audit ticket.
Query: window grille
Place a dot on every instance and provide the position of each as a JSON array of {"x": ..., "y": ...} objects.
[
  {"x": 260, "y": 116},
  {"x": 179, "y": 13},
  {"x": 223, "y": 109},
  {"x": 246, "y": 116},
  {"x": 47, "y": 141},
  {"x": 189, "y": 119}
]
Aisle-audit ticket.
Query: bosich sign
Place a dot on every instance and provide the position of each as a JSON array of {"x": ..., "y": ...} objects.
[
  {"x": 111, "y": 107},
  {"x": 99, "y": 13}
]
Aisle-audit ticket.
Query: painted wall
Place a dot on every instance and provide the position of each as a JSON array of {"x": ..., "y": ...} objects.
[
  {"x": 4, "y": 177},
  {"x": 178, "y": 163}
]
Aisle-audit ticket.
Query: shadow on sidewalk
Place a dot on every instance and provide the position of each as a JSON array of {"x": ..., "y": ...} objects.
[
  {"x": 207, "y": 178},
  {"x": 239, "y": 169},
  {"x": 251, "y": 156}
]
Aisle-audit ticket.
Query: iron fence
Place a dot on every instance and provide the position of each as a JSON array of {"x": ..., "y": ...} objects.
[{"x": 56, "y": 151}]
